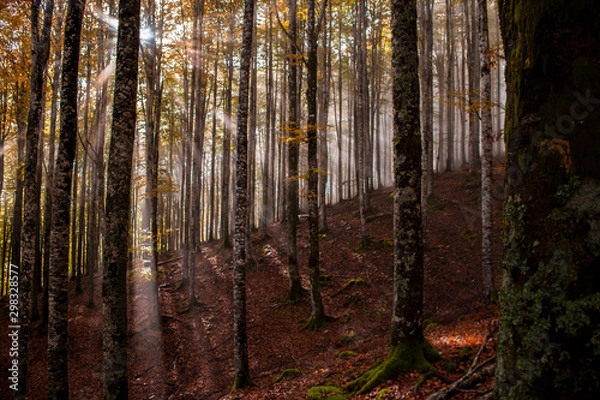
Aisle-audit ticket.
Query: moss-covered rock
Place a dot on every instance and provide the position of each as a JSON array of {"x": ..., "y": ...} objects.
[
  {"x": 287, "y": 374},
  {"x": 325, "y": 392}
]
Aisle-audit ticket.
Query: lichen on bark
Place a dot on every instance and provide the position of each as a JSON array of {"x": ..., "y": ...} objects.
[{"x": 549, "y": 309}]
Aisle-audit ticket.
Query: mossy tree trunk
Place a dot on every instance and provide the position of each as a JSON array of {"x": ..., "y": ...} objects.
[
  {"x": 409, "y": 349},
  {"x": 118, "y": 204},
  {"x": 550, "y": 299}
]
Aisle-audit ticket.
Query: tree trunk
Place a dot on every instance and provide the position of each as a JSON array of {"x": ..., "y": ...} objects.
[
  {"x": 323, "y": 116},
  {"x": 152, "y": 62},
  {"x": 318, "y": 318},
  {"x": 486, "y": 146},
  {"x": 213, "y": 151},
  {"x": 40, "y": 49},
  {"x": 361, "y": 115},
  {"x": 427, "y": 101},
  {"x": 58, "y": 376},
  {"x": 474, "y": 74},
  {"x": 17, "y": 220},
  {"x": 226, "y": 175},
  {"x": 118, "y": 204},
  {"x": 293, "y": 140},
  {"x": 548, "y": 341},
  {"x": 242, "y": 369},
  {"x": 409, "y": 348},
  {"x": 450, "y": 96},
  {"x": 51, "y": 155}
]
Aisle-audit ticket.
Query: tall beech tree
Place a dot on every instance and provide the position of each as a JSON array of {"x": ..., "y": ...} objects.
[
  {"x": 293, "y": 141},
  {"x": 318, "y": 319},
  {"x": 408, "y": 346},
  {"x": 550, "y": 298},
  {"x": 486, "y": 151},
  {"x": 58, "y": 299},
  {"x": 240, "y": 336},
  {"x": 40, "y": 52},
  {"x": 118, "y": 203},
  {"x": 427, "y": 101}
]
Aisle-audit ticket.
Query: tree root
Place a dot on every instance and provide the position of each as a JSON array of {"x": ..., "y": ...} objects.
[
  {"x": 401, "y": 358},
  {"x": 316, "y": 324}
]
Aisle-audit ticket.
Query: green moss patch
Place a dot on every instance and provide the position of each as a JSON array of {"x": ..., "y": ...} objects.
[
  {"x": 401, "y": 358},
  {"x": 325, "y": 392},
  {"x": 346, "y": 354},
  {"x": 287, "y": 374}
]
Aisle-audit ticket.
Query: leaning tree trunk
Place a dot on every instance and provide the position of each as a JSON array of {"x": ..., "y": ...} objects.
[
  {"x": 409, "y": 348},
  {"x": 118, "y": 204},
  {"x": 58, "y": 299},
  {"x": 242, "y": 369},
  {"x": 550, "y": 298}
]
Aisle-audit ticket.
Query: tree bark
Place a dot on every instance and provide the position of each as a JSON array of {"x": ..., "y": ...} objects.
[
  {"x": 40, "y": 49},
  {"x": 361, "y": 115},
  {"x": 486, "y": 157},
  {"x": 408, "y": 346},
  {"x": 58, "y": 376},
  {"x": 318, "y": 318},
  {"x": 118, "y": 204},
  {"x": 547, "y": 345},
  {"x": 226, "y": 175},
  {"x": 242, "y": 369},
  {"x": 427, "y": 102},
  {"x": 293, "y": 133},
  {"x": 323, "y": 117},
  {"x": 450, "y": 96}
]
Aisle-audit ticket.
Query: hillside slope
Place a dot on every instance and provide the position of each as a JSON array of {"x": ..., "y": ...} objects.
[{"x": 192, "y": 358}]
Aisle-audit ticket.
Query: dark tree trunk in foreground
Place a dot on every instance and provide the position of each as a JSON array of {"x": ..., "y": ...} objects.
[
  {"x": 40, "y": 49},
  {"x": 408, "y": 347},
  {"x": 58, "y": 382},
  {"x": 242, "y": 369},
  {"x": 118, "y": 203},
  {"x": 550, "y": 298}
]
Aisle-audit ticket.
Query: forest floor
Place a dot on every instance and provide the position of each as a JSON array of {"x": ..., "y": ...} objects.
[{"x": 191, "y": 355}]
